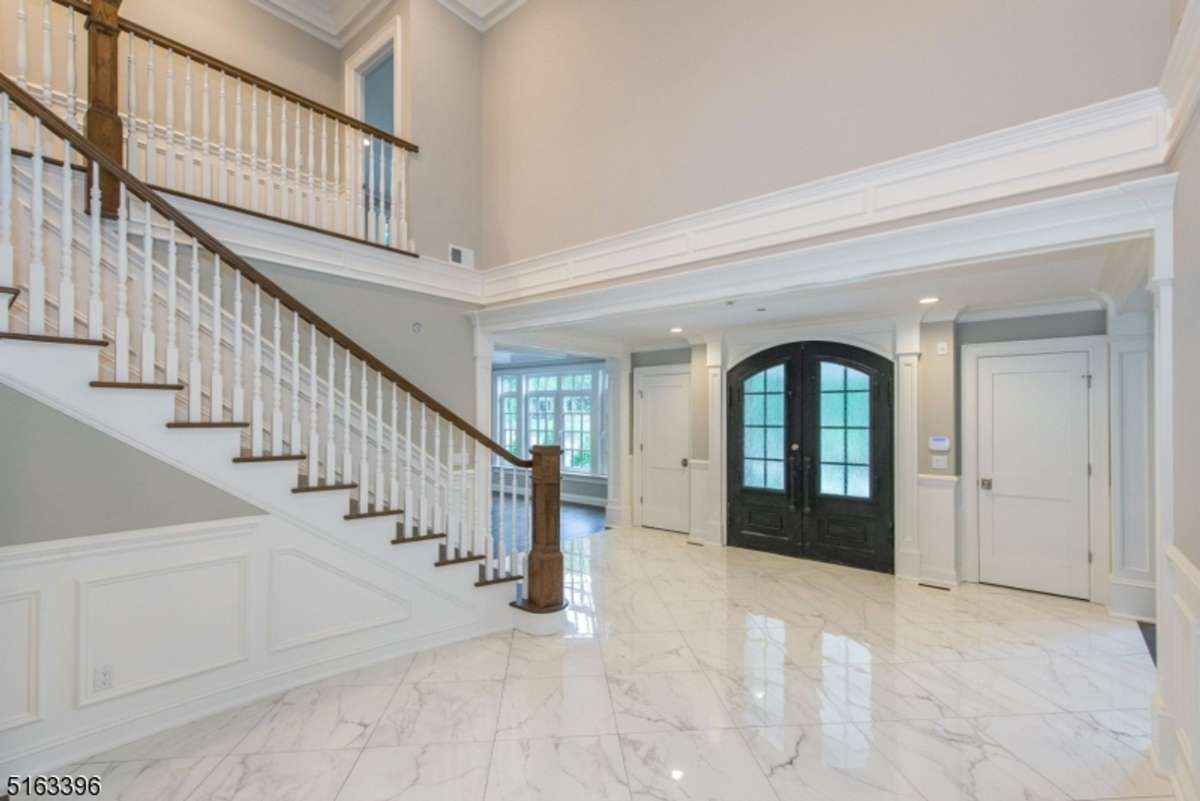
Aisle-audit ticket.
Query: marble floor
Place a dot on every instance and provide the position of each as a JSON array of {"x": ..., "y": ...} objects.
[{"x": 703, "y": 673}]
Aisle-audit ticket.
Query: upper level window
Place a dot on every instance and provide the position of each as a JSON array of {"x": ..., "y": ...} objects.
[
  {"x": 845, "y": 431},
  {"x": 763, "y": 429},
  {"x": 554, "y": 406}
]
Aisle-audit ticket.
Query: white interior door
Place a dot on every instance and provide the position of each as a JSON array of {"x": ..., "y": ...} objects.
[
  {"x": 1033, "y": 470},
  {"x": 664, "y": 441}
]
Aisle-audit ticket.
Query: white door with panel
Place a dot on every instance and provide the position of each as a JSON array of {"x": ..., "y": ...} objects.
[
  {"x": 664, "y": 442},
  {"x": 1033, "y": 472}
]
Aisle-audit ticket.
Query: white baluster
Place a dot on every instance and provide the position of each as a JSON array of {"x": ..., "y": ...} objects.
[
  {"x": 512, "y": 534},
  {"x": 254, "y": 148},
  {"x": 172, "y": 306},
  {"x": 298, "y": 210},
  {"x": 381, "y": 232},
  {"x": 256, "y": 403},
  {"x": 330, "y": 421},
  {"x": 284, "y": 201},
  {"x": 312, "y": 183},
  {"x": 347, "y": 456},
  {"x": 149, "y": 345},
  {"x": 239, "y": 367},
  {"x": 314, "y": 436},
  {"x": 151, "y": 119},
  {"x": 218, "y": 380},
  {"x": 325, "y": 201},
  {"x": 294, "y": 432},
  {"x": 66, "y": 259},
  {"x": 47, "y": 57},
  {"x": 22, "y": 47},
  {"x": 410, "y": 507},
  {"x": 372, "y": 199},
  {"x": 170, "y": 132},
  {"x": 379, "y": 440},
  {"x": 528, "y": 526},
  {"x": 37, "y": 266},
  {"x": 239, "y": 177},
  {"x": 394, "y": 238},
  {"x": 277, "y": 382},
  {"x": 121, "y": 352},
  {"x": 96, "y": 298},
  {"x": 364, "y": 468},
  {"x": 337, "y": 181},
  {"x": 131, "y": 158},
  {"x": 270, "y": 164},
  {"x": 423, "y": 477},
  {"x": 495, "y": 539},
  {"x": 354, "y": 173},
  {"x": 205, "y": 152},
  {"x": 195, "y": 376},
  {"x": 404, "y": 242},
  {"x": 72, "y": 73},
  {"x": 6, "y": 204},
  {"x": 222, "y": 152},
  {"x": 394, "y": 473},
  {"x": 189, "y": 177},
  {"x": 463, "y": 497}
]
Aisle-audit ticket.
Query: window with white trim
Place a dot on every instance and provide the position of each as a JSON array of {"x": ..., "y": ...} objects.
[{"x": 554, "y": 405}]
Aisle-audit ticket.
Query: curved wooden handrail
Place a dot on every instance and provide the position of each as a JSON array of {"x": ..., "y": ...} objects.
[
  {"x": 86, "y": 149},
  {"x": 144, "y": 33}
]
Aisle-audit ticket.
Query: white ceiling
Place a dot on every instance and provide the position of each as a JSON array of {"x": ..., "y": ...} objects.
[{"x": 1066, "y": 279}]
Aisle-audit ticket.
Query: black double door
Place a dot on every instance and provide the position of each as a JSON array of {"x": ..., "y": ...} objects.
[{"x": 810, "y": 454}]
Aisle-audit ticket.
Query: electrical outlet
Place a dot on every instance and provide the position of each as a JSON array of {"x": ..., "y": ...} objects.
[{"x": 102, "y": 678}]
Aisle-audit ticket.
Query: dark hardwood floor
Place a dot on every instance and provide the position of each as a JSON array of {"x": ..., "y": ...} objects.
[{"x": 575, "y": 520}]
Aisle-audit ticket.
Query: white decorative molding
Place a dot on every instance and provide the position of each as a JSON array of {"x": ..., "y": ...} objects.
[
  {"x": 311, "y": 601},
  {"x": 482, "y": 14},
  {"x": 906, "y": 386},
  {"x": 1108, "y": 138},
  {"x": 334, "y": 22},
  {"x": 1180, "y": 82},
  {"x": 170, "y": 639},
  {"x": 937, "y": 499},
  {"x": 1177, "y": 700},
  {"x": 20, "y": 620},
  {"x": 700, "y": 503},
  {"x": 1007, "y": 312}
]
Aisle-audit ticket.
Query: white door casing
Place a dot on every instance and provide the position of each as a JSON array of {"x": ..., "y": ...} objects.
[{"x": 662, "y": 421}]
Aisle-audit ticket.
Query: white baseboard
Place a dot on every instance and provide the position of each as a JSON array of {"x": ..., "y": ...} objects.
[
  {"x": 584, "y": 500},
  {"x": 1131, "y": 599}
]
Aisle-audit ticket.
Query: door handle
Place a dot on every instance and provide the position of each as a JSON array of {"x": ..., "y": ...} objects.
[
  {"x": 683, "y": 462},
  {"x": 985, "y": 483},
  {"x": 804, "y": 482}
]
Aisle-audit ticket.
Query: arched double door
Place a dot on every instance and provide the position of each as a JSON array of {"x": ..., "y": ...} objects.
[{"x": 810, "y": 454}]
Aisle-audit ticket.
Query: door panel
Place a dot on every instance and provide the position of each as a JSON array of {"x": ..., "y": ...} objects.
[
  {"x": 664, "y": 413},
  {"x": 810, "y": 469},
  {"x": 1033, "y": 448}
]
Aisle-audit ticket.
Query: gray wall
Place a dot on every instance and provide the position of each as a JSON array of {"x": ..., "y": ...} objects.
[
  {"x": 725, "y": 101},
  {"x": 73, "y": 481},
  {"x": 1046, "y": 326},
  {"x": 937, "y": 395},
  {"x": 1186, "y": 337},
  {"x": 440, "y": 359}
]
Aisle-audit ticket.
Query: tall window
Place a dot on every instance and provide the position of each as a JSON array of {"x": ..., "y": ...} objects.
[
  {"x": 562, "y": 406},
  {"x": 763, "y": 431},
  {"x": 845, "y": 431}
]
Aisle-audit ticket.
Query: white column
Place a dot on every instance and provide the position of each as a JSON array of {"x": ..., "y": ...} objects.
[
  {"x": 618, "y": 511},
  {"x": 485, "y": 351},
  {"x": 715, "y": 364},
  {"x": 907, "y": 529}
]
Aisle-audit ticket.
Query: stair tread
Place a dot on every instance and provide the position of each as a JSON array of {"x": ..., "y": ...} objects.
[
  {"x": 99, "y": 343},
  {"x": 283, "y": 457},
  {"x": 421, "y": 538},
  {"x": 378, "y": 513},
  {"x": 220, "y": 424},
  {"x": 323, "y": 488},
  {"x": 459, "y": 560},
  {"x": 501, "y": 580},
  {"x": 176, "y": 387}
]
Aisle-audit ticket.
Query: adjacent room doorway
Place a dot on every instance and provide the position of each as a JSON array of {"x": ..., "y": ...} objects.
[{"x": 810, "y": 466}]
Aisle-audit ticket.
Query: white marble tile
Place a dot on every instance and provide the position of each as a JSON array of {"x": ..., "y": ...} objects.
[
  {"x": 1130, "y": 726},
  {"x": 813, "y": 646},
  {"x": 554, "y": 656},
  {"x": 308, "y": 776},
  {"x": 441, "y": 712},
  {"x": 474, "y": 660},
  {"x": 695, "y": 589},
  {"x": 1135, "y": 670},
  {"x": 834, "y": 762},
  {"x": 1077, "y": 638},
  {"x": 215, "y": 735},
  {"x": 629, "y": 615},
  {"x": 1081, "y": 758},
  {"x": 681, "y": 766},
  {"x": 555, "y": 707},
  {"x": 780, "y": 611},
  {"x": 558, "y": 769},
  {"x": 876, "y": 692},
  {"x": 316, "y": 718},
  {"x": 713, "y": 615},
  {"x": 149, "y": 780},
  {"x": 666, "y": 702},
  {"x": 775, "y": 698},
  {"x": 973, "y": 689},
  {"x": 738, "y": 649},
  {"x": 948, "y": 760},
  {"x": 420, "y": 773},
  {"x": 1071, "y": 684},
  {"x": 647, "y": 652},
  {"x": 388, "y": 672}
]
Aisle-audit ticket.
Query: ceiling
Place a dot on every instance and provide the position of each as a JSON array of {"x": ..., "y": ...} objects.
[{"x": 337, "y": 21}]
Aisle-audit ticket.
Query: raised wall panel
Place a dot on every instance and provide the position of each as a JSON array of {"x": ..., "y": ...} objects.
[{"x": 19, "y": 667}]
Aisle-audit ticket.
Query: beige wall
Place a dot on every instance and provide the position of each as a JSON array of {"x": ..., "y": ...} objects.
[
  {"x": 725, "y": 101},
  {"x": 1186, "y": 343},
  {"x": 937, "y": 383}
]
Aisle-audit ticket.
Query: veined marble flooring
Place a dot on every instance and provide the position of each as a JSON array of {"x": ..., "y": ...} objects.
[{"x": 703, "y": 673}]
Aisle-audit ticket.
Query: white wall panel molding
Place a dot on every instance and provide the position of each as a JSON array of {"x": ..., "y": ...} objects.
[
  {"x": 20, "y": 696},
  {"x": 937, "y": 517},
  {"x": 1105, "y": 139},
  {"x": 699, "y": 502},
  {"x": 1177, "y": 724}
]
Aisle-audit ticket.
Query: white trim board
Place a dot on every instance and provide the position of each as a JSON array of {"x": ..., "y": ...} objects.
[
  {"x": 1100, "y": 537},
  {"x": 388, "y": 38}
]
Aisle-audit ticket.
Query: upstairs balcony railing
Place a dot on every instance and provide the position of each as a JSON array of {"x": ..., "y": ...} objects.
[{"x": 191, "y": 124}]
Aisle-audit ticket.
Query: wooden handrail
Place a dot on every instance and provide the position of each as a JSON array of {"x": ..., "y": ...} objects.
[
  {"x": 86, "y": 149},
  {"x": 142, "y": 32}
]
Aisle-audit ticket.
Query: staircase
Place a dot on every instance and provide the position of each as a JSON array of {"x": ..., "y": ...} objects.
[{"x": 146, "y": 327}]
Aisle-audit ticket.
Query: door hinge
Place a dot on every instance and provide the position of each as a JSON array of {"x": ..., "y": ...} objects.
[
  {"x": 1089, "y": 379},
  {"x": 641, "y": 447},
  {"x": 1089, "y": 557},
  {"x": 1089, "y": 469}
]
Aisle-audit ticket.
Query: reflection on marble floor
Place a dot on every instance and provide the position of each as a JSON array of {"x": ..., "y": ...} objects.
[{"x": 703, "y": 673}]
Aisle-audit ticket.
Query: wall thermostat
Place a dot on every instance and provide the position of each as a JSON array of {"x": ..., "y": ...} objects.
[{"x": 939, "y": 444}]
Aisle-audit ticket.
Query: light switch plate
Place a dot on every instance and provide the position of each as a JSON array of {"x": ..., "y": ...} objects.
[
  {"x": 943, "y": 349},
  {"x": 941, "y": 462}
]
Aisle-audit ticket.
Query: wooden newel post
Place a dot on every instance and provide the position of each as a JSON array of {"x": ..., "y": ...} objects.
[
  {"x": 545, "y": 579},
  {"x": 104, "y": 128}
]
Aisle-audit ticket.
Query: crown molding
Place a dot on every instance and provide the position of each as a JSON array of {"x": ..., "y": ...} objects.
[
  {"x": 482, "y": 14},
  {"x": 1181, "y": 75},
  {"x": 334, "y": 22}
]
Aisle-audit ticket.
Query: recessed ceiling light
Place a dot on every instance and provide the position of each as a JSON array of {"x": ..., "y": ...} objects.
[
  {"x": 929, "y": 300},
  {"x": 676, "y": 330}
]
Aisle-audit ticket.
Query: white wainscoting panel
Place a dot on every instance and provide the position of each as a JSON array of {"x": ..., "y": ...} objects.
[
  {"x": 699, "y": 503},
  {"x": 937, "y": 501},
  {"x": 1177, "y": 701},
  {"x": 19, "y": 702},
  {"x": 1131, "y": 587}
]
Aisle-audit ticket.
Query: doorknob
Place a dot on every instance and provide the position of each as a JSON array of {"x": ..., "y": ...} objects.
[
  {"x": 683, "y": 462},
  {"x": 985, "y": 483}
]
